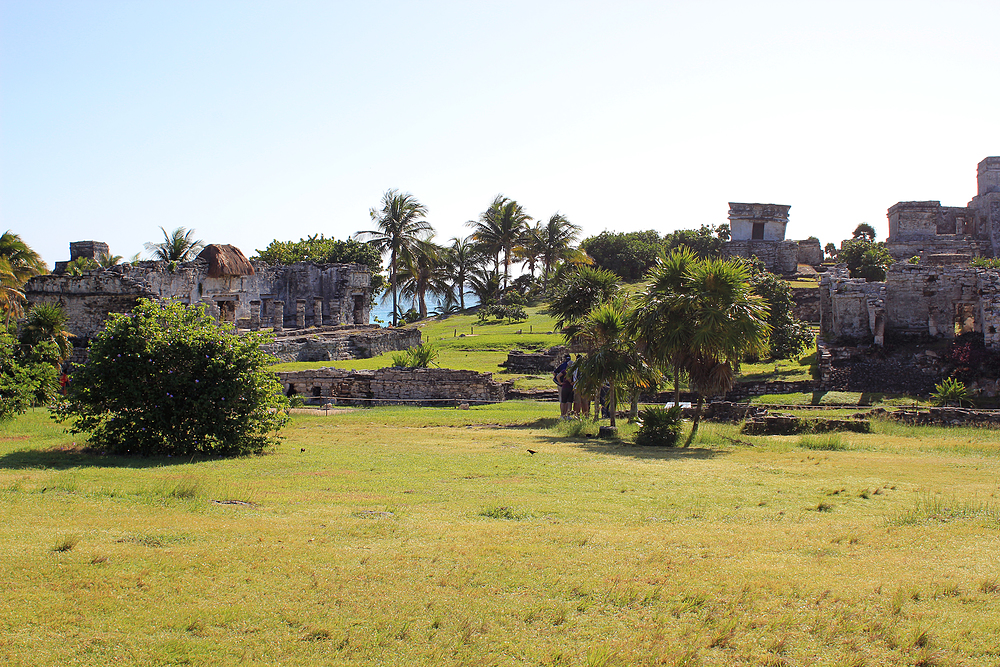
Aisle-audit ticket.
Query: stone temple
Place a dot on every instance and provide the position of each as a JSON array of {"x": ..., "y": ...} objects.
[
  {"x": 250, "y": 295},
  {"x": 920, "y": 228},
  {"x": 758, "y": 230}
]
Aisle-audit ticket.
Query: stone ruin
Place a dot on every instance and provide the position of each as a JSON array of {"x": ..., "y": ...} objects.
[
  {"x": 922, "y": 228},
  {"x": 432, "y": 386},
  {"x": 758, "y": 230},
  {"x": 323, "y": 298}
]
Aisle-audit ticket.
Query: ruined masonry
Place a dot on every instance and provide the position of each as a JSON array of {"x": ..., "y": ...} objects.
[
  {"x": 251, "y": 296},
  {"x": 436, "y": 386},
  {"x": 921, "y": 228},
  {"x": 758, "y": 230}
]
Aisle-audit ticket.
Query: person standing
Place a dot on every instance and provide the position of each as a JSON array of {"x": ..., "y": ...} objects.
[{"x": 562, "y": 377}]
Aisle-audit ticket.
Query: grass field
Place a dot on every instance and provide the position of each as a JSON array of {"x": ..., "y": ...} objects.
[{"x": 402, "y": 536}]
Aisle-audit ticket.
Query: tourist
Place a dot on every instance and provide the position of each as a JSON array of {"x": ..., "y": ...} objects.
[
  {"x": 581, "y": 403},
  {"x": 561, "y": 376}
]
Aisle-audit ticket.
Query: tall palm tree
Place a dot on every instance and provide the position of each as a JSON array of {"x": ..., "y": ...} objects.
[
  {"x": 499, "y": 228},
  {"x": 176, "y": 246},
  {"x": 485, "y": 284},
  {"x": 726, "y": 322},
  {"x": 661, "y": 328},
  {"x": 424, "y": 270},
  {"x": 557, "y": 235},
  {"x": 11, "y": 294},
  {"x": 400, "y": 224},
  {"x": 19, "y": 263},
  {"x": 531, "y": 246},
  {"x": 462, "y": 258}
]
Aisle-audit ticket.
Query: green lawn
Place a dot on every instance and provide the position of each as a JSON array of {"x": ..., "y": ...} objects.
[{"x": 428, "y": 536}]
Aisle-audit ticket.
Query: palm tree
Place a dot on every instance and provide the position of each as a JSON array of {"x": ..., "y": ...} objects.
[
  {"x": 462, "y": 258},
  {"x": 18, "y": 263},
  {"x": 400, "y": 224},
  {"x": 11, "y": 294},
  {"x": 612, "y": 359},
  {"x": 176, "y": 246},
  {"x": 424, "y": 270},
  {"x": 107, "y": 260},
  {"x": 725, "y": 322},
  {"x": 661, "y": 329},
  {"x": 557, "y": 237},
  {"x": 46, "y": 322},
  {"x": 499, "y": 228},
  {"x": 485, "y": 284},
  {"x": 531, "y": 246},
  {"x": 580, "y": 292}
]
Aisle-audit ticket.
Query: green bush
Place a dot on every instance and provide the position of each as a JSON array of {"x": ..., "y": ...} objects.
[
  {"x": 659, "y": 427},
  {"x": 950, "y": 392},
  {"x": 167, "y": 379}
]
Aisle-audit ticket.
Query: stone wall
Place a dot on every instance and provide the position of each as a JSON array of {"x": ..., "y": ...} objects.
[
  {"x": 88, "y": 299},
  {"x": 806, "y": 303},
  {"x": 778, "y": 256},
  {"x": 342, "y": 343},
  {"x": 306, "y": 294},
  {"x": 810, "y": 252},
  {"x": 535, "y": 362},
  {"x": 851, "y": 308},
  {"x": 434, "y": 386}
]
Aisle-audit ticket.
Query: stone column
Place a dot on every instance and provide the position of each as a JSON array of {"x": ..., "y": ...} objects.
[
  {"x": 278, "y": 315},
  {"x": 254, "y": 315},
  {"x": 300, "y": 313},
  {"x": 318, "y": 311}
]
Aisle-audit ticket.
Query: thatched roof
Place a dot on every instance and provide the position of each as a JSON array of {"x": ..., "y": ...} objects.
[{"x": 225, "y": 261}]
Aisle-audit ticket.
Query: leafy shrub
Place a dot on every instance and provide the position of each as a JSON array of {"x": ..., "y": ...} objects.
[
  {"x": 502, "y": 311},
  {"x": 168, "y": 379},
  {"x": 914, "y": 260},
  {"x": 985, "y": 262},
  {"x": 419, "y": 356},
  {"x": 865, "y": 258},
  {"x": 659, "y": 427},
  {"x": 950, "y": 391}
]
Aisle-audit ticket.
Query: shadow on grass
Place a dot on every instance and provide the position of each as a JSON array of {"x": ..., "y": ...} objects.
[
  {"x": 617, "y": 448},
  {"x": 62, "y": 458}
]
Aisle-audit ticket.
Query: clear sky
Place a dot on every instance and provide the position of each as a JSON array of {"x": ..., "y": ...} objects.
[{"x": 254, "y": 120}]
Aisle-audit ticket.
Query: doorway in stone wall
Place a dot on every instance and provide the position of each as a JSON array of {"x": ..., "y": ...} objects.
[
  {"x": 965, "y": 318},
  {"x": 359, "y": 309}
]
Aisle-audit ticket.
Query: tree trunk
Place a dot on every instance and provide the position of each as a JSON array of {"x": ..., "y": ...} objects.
[
  {"x": 612, "y": 405},
  {"x": 633, "y": 412},
  {"x": 697, "y": 418},
  {"x": 392, "y": 279},
  {"x": 677, "y": 383}
]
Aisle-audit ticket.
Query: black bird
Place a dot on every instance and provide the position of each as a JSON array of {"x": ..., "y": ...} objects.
[{"x": 532, "y": 451}]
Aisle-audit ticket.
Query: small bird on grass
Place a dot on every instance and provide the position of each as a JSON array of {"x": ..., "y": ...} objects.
[{"x": 532, "y": 451}]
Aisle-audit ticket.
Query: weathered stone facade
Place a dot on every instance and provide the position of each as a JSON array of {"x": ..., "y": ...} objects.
[
  {"x": 916, "y": 299},
  {"x": 266, "y": 296},
  {"x": 434, "y": 386},
  {"x": 341, "y": 343},
  {"x": 758, "y": 230},
  {"x": 920, "y": 228}
]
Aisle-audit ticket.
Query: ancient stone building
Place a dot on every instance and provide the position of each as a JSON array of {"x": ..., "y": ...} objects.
[
  {"x": 250, "y": 295},
  {"x": 435, "y": 386},
  {"x": 758, "y": 230},
  {"x": 926, "y": 227},
  {"x": 920, "y": 300}
]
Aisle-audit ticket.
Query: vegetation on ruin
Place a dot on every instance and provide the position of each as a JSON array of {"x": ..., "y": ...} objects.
[
  {"x": 402, "y": 536},
  {"x": 865, "y": 258},
  {"x": 167, "y": 379},
  {"x": 178, "y": 245}
]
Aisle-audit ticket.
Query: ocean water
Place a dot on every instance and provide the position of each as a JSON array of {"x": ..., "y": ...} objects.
[{"x": 383, "y": 309}]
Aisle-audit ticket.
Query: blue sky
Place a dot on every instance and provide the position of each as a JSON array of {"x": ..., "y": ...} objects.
[{"x": 250, "y": 121}]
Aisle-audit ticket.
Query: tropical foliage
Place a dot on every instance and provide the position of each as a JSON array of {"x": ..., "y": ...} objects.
[
  {"x": 499, "y": 229},
  {"x": 659, "y": 427},
  {"x": 579, "y": 292},
  {"x": 18, "y": 263},
  {"x": 629, "y": 255},
  {"x": 865, "y": 258},
  {"x": 168, "y": 379},
  {"x": 176, "y": 246},
  {"x": 400, "y": 224},
  {"x": 418, "y": 356}
]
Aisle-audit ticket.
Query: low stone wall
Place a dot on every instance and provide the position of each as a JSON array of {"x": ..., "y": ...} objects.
[
  {"x": 434, "y": 386},
  {"x": 866, "y": 368},
  {"x": 743, "y": 390},
  {"x": 535, "y": 362},
  {"x": 947, "y": 417},
  {"x": 342, "y": 343},
  {"x": 778, "y": 256}
]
